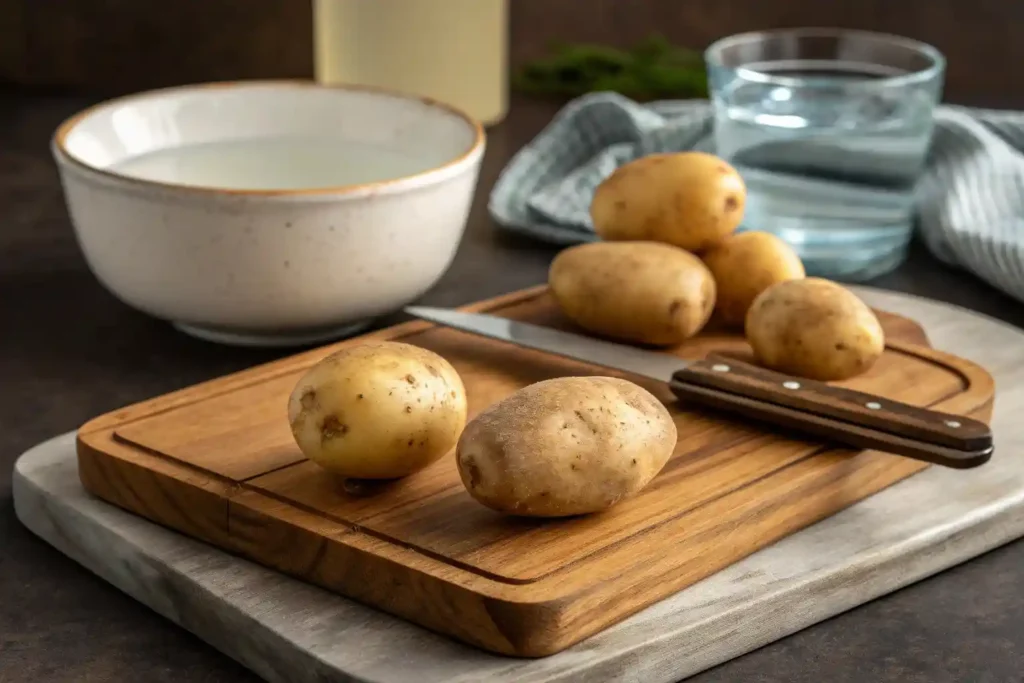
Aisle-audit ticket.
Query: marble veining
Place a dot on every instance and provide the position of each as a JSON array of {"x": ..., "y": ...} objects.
[{"x": 286, "y": 630}]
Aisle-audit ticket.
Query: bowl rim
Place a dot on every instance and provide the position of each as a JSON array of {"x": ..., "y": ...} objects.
[{"x": 59, "y": 138}]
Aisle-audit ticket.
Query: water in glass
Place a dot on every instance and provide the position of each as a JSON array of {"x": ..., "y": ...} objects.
[{"x": 830, "y": 154}]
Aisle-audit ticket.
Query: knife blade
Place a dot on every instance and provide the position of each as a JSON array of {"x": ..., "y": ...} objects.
[{"x": 839, "y": 415}]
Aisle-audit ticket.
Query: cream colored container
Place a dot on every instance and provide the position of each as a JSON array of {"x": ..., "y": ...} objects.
[
  {"x": 454, "y": 51},
  {"x": 268, "y": 213}
]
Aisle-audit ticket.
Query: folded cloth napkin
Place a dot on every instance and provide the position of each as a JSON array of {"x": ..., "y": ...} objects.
[{"x": 969, "y": 201}]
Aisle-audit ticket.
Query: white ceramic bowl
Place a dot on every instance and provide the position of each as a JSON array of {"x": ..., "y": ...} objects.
[{"x": 267, "y": 212}]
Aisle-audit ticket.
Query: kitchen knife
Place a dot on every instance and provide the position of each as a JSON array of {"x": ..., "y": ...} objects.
[{"x": 840, "y": 415}]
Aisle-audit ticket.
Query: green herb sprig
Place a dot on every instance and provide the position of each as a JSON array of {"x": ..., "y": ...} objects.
[{"x": 653, "y": 69}]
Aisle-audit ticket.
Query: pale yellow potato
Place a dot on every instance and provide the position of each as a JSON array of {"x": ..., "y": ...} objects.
[
  {"x": 814, "y": 328},
  {"x": 642, "y": 292},
  {"x": 692, "y": 200},
  {"x": 745, "y": 265},
  {"x": 565, "y": 446},
  {"x": 379, "y": 410}
]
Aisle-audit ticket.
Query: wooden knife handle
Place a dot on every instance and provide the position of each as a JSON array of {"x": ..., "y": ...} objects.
[{"x": 842, "y": 415}]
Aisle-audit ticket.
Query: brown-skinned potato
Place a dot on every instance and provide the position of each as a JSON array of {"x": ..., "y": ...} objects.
[
  {"x": 814, "y": 328},
  {"x": 565, "y": 446},
  {"x": 746, "y": 264},
  {"x": 691, "y": 200},
  {"x": 639, "y": 292},
  {"x": 378, "y": 410}
]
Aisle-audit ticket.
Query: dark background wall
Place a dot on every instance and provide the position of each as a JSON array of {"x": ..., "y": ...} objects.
[{"x": 114, "y": 46}]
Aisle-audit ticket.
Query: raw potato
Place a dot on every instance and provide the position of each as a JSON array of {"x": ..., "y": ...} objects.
[
  {"x": 379, "y": 410},
  {"x": 641, "y": 292},
  {"x": 814, "y": 328},
  {"x": 690, "y": 199},
  {"x": 565, "y": 446},
  {"x": 745, "y": 265}
]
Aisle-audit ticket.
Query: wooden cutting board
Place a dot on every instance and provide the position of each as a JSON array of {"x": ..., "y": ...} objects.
[{"x": 217, "y": 462}]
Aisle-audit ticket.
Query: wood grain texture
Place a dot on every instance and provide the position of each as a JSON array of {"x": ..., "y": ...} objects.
[
  {"x": 850, "y": 418},
  {"x": 422, "y": 549},
  {"x": 973, "y": 36},
  {"x": 117, "y": 46},
  {"x": 289, "y": 631},
  {"x": 831, "y": 400}
]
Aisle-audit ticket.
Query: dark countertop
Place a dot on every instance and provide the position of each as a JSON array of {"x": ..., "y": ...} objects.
[{"x": 70, "y": 351}]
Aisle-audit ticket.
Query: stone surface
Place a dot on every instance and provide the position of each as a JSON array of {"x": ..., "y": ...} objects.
[
  {"x": 288, "y": 631},
  {"x": 70, "y": 351}
]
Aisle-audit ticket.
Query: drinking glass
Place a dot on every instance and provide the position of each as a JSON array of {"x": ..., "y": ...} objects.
[{"x": 829, "y": 129}]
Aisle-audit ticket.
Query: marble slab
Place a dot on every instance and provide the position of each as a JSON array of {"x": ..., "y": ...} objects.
[{"x": 285, "y": 630}]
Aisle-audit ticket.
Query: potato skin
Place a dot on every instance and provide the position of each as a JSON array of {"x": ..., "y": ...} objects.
[
  {"x": 379, "y": 410},
  {"x": 692, "y": 200},
  {"x": 745, "y": 265},
  {"x": 814, "y": 328},
  {"x": 565, "y": 446},
  {"x": 641, "y": 292}
]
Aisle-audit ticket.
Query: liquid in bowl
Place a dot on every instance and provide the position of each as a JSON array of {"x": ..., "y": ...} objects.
[
  {"x": 269, "y": 213},
  {"x": 284, "y": 163}
]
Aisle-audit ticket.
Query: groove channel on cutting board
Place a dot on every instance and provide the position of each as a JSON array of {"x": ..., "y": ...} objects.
[{"x": 244, "y": 436}]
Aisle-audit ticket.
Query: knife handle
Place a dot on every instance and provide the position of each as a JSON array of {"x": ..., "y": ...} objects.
[{"x": 841, "y": 415}]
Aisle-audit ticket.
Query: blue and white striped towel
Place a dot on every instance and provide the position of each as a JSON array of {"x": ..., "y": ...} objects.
[{"x": 970, "y": 200}]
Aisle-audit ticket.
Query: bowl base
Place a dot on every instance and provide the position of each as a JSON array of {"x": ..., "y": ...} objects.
[{"x": 269, "y": 339}]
